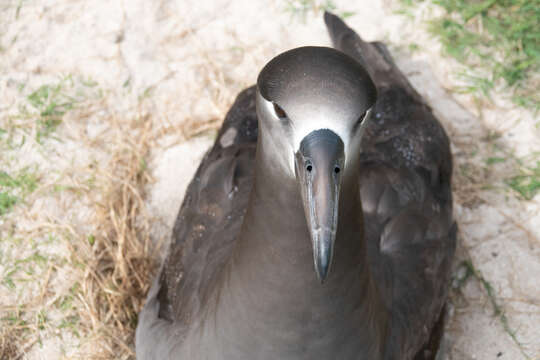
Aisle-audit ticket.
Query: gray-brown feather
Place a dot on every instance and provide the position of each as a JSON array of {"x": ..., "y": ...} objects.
[
  {"x": 406, "y": 198},
  {"x": 211, "y": 215}
]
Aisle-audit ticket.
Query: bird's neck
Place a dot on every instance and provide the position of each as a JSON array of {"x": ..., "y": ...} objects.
[{"x": 271, "y": 290}]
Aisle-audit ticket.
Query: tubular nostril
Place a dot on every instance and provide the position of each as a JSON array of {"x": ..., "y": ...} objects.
[
  {"x": 309, "y": 168},
  {"x": 337, "y": 169}
]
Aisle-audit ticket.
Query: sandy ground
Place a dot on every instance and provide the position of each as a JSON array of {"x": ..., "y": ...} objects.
[{"x": 180, "y": 63}]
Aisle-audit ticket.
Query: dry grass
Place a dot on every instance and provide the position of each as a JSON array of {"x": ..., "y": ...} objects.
[
  {"x": 8, "y": 343},
  {"x": 111, "y": 268},
  {"x": 120, "y": 263},
  {"x": 112, "y": 256}
]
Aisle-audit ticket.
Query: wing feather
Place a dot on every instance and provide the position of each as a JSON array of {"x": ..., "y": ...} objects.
[{"x": 406, "y": 196}]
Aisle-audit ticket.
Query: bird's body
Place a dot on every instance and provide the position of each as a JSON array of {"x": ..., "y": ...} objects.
[{"x": 238, "y": 282}]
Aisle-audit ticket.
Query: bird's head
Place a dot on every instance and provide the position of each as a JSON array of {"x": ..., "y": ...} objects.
[{"x": 312, "y": 103}]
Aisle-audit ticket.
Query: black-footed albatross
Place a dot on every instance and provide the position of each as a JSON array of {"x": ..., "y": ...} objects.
[{"x": 332, "y": 163}]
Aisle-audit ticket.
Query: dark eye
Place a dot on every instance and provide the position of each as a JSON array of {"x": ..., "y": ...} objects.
[
  {"x": 361, "y": 117},
  {"x": 359, "y": 121},
  {"x": 280, "y": 113}
]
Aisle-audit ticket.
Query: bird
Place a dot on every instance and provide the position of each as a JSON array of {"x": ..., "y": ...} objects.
[{"x": 318, "y": 226}]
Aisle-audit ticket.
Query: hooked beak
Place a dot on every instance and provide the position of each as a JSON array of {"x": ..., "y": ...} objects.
[{"x": 319, "y": 166}]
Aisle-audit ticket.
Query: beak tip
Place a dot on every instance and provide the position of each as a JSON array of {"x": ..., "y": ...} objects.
[
  {"x": 322, "y": 267},
  {"x": 322, "y": 278}
]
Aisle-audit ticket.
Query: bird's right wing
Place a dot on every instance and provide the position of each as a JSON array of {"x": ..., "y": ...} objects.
[
  {"x": 204, "y": 234},
  {"x": 211, "y": 215}
]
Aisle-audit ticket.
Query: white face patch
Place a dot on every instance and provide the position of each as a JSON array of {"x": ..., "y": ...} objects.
[
  {"x": 320, "y": 122},
  {"x": 315, "y": 119},
  {"x": 266, "y": 109},
  {"x": 310, "y": 119}
]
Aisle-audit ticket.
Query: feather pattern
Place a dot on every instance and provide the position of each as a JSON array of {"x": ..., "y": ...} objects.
[{"x": 404, "y": 178}]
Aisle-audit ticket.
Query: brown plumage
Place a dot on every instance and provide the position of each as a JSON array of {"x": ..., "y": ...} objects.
[{"x": 226, "y": 290}]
